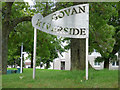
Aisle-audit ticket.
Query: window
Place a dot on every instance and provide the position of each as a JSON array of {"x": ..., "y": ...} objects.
[
  {"x": 115, "y": 63},
  {"x": 96, "y": 63},
  {"x": 62, "y": 65}
]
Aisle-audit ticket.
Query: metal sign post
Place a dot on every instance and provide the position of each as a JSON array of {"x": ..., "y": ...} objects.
[
  {"x": 21, "y": 69},
  {"x": 86, "y": 58},
  {"x": 34, "y": 57}
]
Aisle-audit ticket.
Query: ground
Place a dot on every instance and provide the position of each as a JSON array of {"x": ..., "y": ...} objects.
[{"x": 61, "y": 79}]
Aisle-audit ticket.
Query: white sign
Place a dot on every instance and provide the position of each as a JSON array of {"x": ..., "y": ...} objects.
[{"x": 72, "y": 22}]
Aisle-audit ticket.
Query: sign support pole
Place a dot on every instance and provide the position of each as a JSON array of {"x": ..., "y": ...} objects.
[
  {"x": 34, "y": 54},
  {"x": 21, "y": 69},
  {"x": 87, "y": 47},
  {"x": 87, "y": 58}
]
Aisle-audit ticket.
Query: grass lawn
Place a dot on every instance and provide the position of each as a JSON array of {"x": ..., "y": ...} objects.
[
  {"x": 11, "y": 68},
  {"x": 62, "y": 79}
]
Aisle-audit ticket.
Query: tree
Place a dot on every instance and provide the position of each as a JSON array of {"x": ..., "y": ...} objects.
[
  {"x": 100, "y": 37},
  {"x": 101, "y": 32},
  {"x": 0, "y": 37},
  {"x": 13, "y": 56},
  {"x": 46, "y": 44},
  {"x": 115, "y": 21},
  {"x": 9, "y": 21}
]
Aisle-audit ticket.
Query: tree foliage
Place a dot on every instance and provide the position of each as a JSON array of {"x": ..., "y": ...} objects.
[{"x": 47, "y": 45}]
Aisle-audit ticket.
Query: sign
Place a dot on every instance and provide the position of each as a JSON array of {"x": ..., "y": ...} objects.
[{"x": 72, "y": 22}]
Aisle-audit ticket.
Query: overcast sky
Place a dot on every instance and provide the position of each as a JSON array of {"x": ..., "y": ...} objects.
[{"x": 30, "y": 2}]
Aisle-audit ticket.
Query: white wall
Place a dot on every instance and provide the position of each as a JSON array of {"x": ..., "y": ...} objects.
[
  {"x": 91, "y": 59},
  {"x": 113, "y": 67},
  {"x": 67, "y": 60},
  {"x": 57, "y": 64}
]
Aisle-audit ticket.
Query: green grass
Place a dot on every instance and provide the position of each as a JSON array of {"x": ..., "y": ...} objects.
[
  {"x": 11, "y": 68},
  {"x": 62, "y": 79}
]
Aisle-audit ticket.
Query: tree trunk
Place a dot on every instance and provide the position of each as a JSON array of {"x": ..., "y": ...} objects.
[
  {"x": 119, "y": 59},
  {"x": 47, "y": 65},
  {"x": 4, "y": 50},
  {"x": 106, "y": 63},
  {"x": 7, "y": 26},
  {"x": 32, "y": 59},
  {"x": 78, "y": 54},
  {"x": 0, "y": 46},
  {"x": 78, "y": 51}
]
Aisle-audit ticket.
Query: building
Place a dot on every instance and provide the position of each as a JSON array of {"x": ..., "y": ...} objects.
[
  {"x": 27, "y": 61},
  {"x": 63, "y": 62},
  {"x": 91, "y": 59}
]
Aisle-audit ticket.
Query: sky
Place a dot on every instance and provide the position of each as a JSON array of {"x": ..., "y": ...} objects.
[{"x": 30, "y": 2}]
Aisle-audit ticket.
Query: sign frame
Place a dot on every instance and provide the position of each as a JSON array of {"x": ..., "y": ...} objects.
[
  {"x": 72, "y": 25},
  {"x": 35, "y": 40}
]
